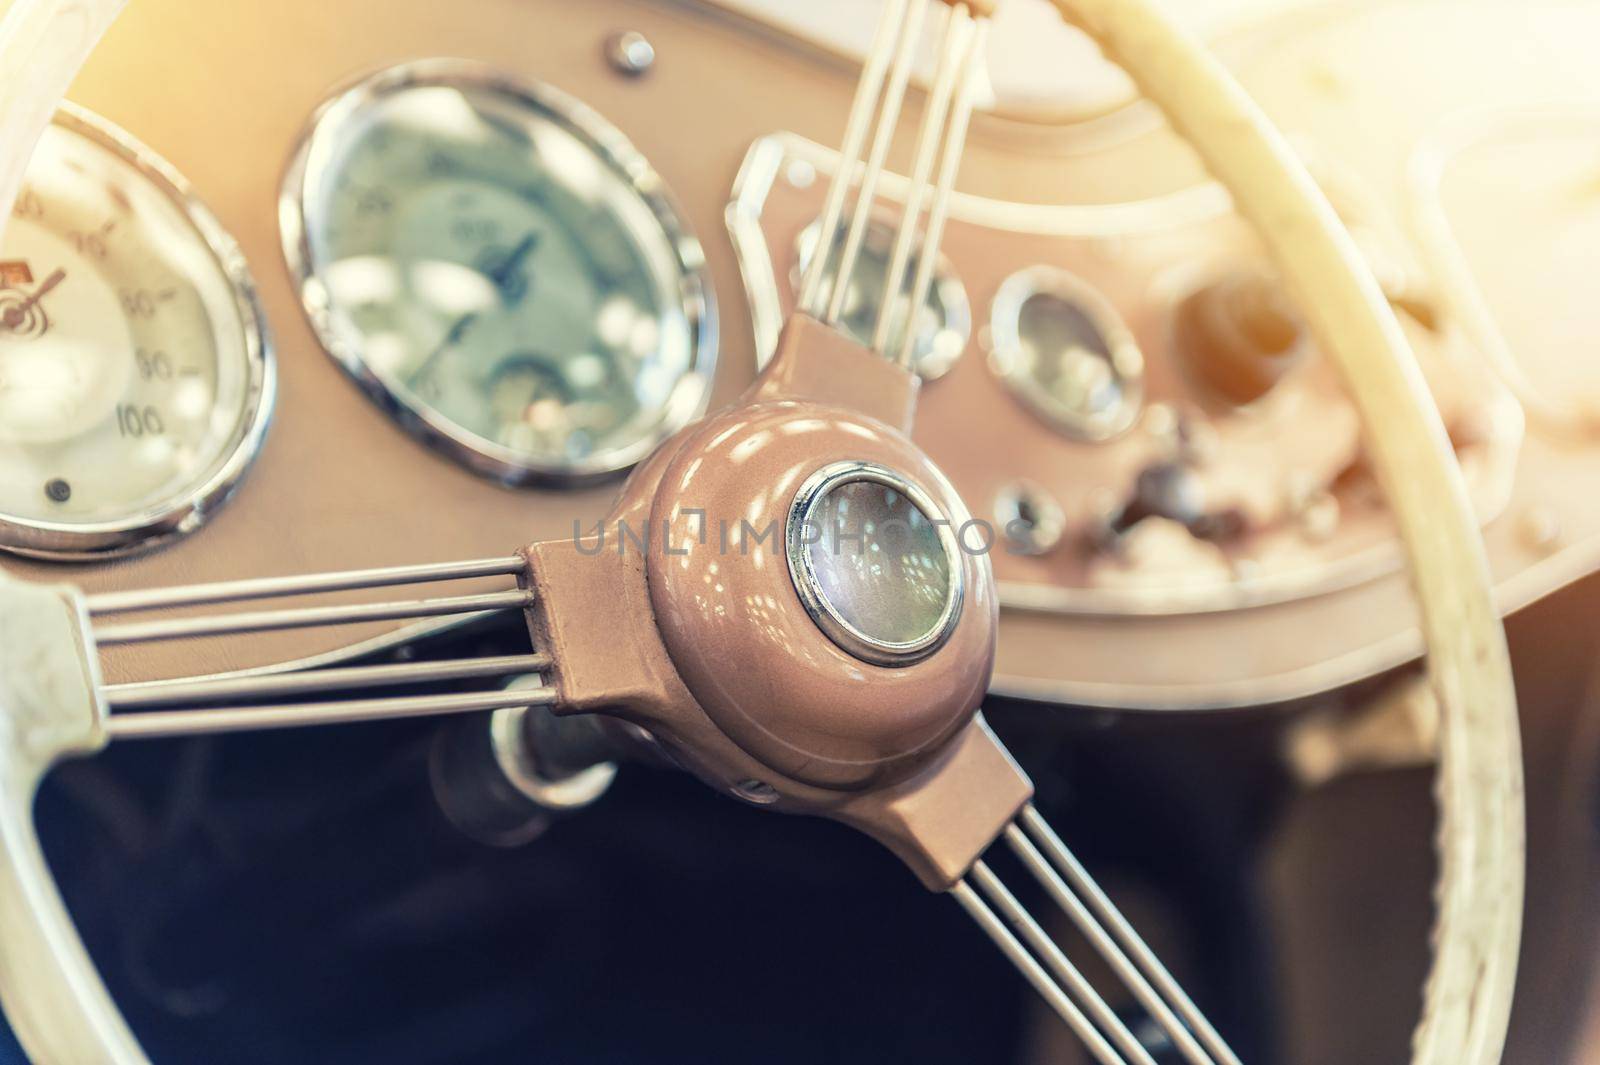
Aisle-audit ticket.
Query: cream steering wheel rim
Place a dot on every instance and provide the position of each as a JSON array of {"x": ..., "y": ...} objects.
[{"x": 46, "y": 976}]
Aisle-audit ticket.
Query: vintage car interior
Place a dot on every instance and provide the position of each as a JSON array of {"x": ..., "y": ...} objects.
[{"x": 1120, "y": 474}]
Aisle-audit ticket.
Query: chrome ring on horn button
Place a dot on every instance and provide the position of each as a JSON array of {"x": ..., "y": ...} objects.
[{"x": 891, "y": 600}]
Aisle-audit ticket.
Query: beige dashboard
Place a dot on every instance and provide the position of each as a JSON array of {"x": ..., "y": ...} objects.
[{"x": 735, "y": 121}]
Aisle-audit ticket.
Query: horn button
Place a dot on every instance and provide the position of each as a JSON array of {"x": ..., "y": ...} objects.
[{"x": 876, "y": 566}]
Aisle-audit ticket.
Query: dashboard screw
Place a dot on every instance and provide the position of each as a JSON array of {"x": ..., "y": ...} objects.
[
  {"x": 630, "y": 52},
  {"x": 801, "y": 174}
]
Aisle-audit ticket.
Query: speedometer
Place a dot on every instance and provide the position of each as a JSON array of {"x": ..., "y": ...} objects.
[
  {"x": 135, "y": 375},
  {"x": 501, "y": 270}
]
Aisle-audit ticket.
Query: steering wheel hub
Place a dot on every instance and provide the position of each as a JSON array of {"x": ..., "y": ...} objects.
[{"x": 800, "y": 551}]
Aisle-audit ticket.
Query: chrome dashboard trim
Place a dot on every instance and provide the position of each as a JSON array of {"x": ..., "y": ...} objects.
[
  {"x": 769, "y": 157},
  {"x": 1122, "y": 350}
]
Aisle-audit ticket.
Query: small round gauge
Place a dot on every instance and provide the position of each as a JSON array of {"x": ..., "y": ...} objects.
[
  {"x": 136, "y": 378},
  {"x": 944, "y": 322},
  {"x": 500, "y": 269},
  {"x": 1066, "y": 353}
]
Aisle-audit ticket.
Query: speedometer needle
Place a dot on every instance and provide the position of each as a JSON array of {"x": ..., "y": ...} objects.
[
  {"x": 502, "y": 273},
  {"x": 452, "y": 337},
  {"x": 17, "y": 314}
]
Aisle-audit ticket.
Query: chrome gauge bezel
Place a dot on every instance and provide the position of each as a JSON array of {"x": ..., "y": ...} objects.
[
  {"x": 307, "y": 172},
  {"x": 946, "y": 284},
  {"x": 160, "y": 523},
  {"x": 1126, "y": 357},
  {"x": 808, "y": 585}
]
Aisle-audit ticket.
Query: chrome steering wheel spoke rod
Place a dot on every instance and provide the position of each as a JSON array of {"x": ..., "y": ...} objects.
[
  {"x": 1021, "y": 937},
  {"x": 941, "y": 138},
  {"x": 197, "y": 705},
  {"x": 162, "y": 724},
  {"x": 303, "y": 584}
]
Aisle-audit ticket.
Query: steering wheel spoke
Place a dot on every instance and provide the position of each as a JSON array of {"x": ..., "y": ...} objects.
[
  {"x": 815, "y": 359},
  {"x": 820, "y": 364},
  {"x": 53, "y": 706},
  {"x": 1045, "y": 965},
  {"x": 197, "y": 705}
]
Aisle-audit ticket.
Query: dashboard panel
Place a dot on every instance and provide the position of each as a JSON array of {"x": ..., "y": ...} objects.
[
  {"x": 1168, "y": 494},
  {"x": 1175, "y": 548}
]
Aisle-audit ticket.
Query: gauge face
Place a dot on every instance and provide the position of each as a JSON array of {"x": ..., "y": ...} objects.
[
  {"x": 1066, "y": 353},
  {"x": 134, "y": 374},
  {"x": 943, "y": 322},
  {"x": 497, "y": 265}
]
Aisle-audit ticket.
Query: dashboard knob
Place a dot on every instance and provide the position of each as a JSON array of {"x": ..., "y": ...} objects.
[
  {"x": 1239, "y": 336},
  {"x": 1172, "y": 491},
  {"x": 1167, "y": 490}
]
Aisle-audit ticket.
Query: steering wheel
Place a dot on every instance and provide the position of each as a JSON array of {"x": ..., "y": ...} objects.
[{"x": 723, "y": 629}]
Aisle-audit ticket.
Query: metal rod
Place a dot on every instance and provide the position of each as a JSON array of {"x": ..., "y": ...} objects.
[
  {"x": 1055, "y": 959},
  {"x": 954, "y": 145},
  {"x": 1149, "y": 970},
  {"x": 957, "y": 30},
  {"x": 862, "y": 109},
  {"x": 1102, "y": 942},
  {"x": 309, "y": 617},
  {"x": 276, "y": 587},
  {"x": 1034, "y": 973},
  {"x": 305, "y": 682},
  {"x": 888, "y": 122},
  {"x": 162, "y": 723}
]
